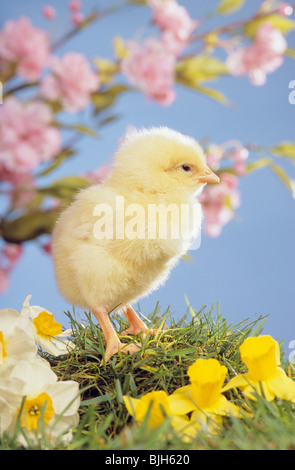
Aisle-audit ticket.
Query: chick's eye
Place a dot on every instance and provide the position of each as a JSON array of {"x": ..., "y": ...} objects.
[{"x": 185, "y": 168}]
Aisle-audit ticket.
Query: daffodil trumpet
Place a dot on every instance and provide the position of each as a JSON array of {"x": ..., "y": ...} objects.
[
  {"x": 265, "y": 377},
  {"x": 203, "y": 397}
]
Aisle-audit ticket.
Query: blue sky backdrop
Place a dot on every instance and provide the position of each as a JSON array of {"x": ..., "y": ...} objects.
[{"x": 250, "y": 268}]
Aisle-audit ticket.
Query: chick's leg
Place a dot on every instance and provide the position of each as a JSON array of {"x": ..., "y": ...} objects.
[
  {"x": 113, "y": 344},
  {"x": 136, "y": 324}
]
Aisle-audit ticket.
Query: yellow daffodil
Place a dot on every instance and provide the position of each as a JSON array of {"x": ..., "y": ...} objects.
[
  {"x": 203, "y": 397},
  {"x": 156, "y": 405},
  {"x": 48, "y": 332},
  {"x": 262, "y": 357}
]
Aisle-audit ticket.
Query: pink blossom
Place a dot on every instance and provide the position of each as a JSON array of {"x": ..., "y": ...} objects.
[
  {"x": 239, "y": 156},
  {"x": 214, "y": 154},
  {"x": 97, "y": 176},
  {"x": 232, "y": 182},
  {"x": 49, "y": 12},
  {"x": 4, "y": 280},
  {"x": 77, "y": 18},
  {"x": 12, "y": 252},
  {"x": 9, "y": 256},
  {"x": 26, "y": 135},
  {"x": 151, "y": 68},
  {"x": 175, "y": 22},
  {"x": 231, "y": 149},
  {"x": 22, "y": 186},
  {"x": 71, "y": 82},
  {"x": 285, "y": 9},
  {"x": 15, "y": 179},
  {"x": 263, "y": 56},
  {"x": 24, "y": 45},
  {"x": 47, "y": 247},
  {"x": 75, "y": 5},
  {"x": 219, "y": 202}
]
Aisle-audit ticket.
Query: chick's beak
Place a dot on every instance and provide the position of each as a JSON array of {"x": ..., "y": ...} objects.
[{"x": 207, "y": 176}]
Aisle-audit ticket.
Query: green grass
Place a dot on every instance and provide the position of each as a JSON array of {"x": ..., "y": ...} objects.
[{"x": 162, "y": 364}]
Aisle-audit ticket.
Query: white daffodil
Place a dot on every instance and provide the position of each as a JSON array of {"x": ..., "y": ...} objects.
[
  {"x": 16, "y": 339},
  {"x": 5, "y": 415},
  {"x": 43, "y": 406},
  {"x": 48, "y": 332}
]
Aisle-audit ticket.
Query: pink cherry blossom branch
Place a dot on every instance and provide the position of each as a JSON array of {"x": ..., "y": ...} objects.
[
  {"x": 19, "y": 87},
  {"x": 95, "y": 15},
  {"x": 235, "y": 25}
]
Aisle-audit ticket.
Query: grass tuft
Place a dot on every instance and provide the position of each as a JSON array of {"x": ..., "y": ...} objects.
[{"x": 162, "y": 364}]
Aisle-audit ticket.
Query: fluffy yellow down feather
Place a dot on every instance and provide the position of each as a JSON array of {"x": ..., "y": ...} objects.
[{"x": 111, "y": 247}]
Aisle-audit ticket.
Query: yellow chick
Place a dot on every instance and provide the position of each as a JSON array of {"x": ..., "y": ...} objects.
[{"x": 119, "y": 240}]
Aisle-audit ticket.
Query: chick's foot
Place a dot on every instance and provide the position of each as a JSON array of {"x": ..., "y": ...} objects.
[
  {"x": 136, "y": 330},
  {"x": 137, "y": 326},
  {"x": 117, "y": 346},
  {"x": 113, "y": 344}
]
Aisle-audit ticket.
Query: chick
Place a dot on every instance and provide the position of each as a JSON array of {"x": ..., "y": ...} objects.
[{"x": 109, "y": 246}]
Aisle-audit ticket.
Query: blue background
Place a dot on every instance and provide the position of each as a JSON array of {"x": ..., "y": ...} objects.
[{"x": 249, "y": 269}]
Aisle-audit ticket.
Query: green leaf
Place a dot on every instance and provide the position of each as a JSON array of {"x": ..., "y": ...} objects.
[
  {"x": 261, "y": 163},
  {"x": 200, "y": 69},
  {"x": 98, "y": 400},
  {"x": 264, "y": 162},
  {"x": 285, "y": 149},
  {"x": 285, "y": 25},
  {"x": 195, "y": 70},
  {"x": 290, "y": 53},
  {"x": 180, "y": 352},
  {"x": 119, "y": 392},
  {"x": 138, "y": 2},
  {"x": 214, "y": 94},
  {"x": 65, "y": 153},
  {"x": 78, "y": 127},
  {"x": 108, "y": 120},
  {"x": 104, "y": 99},
  {"x": 106, "y": 69},
  {"x": 28, "y": 226},
  {"x": 229, "y": 6},
  {"x": 282, "y": 176},
  {"x": 64, "y": 188}
]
